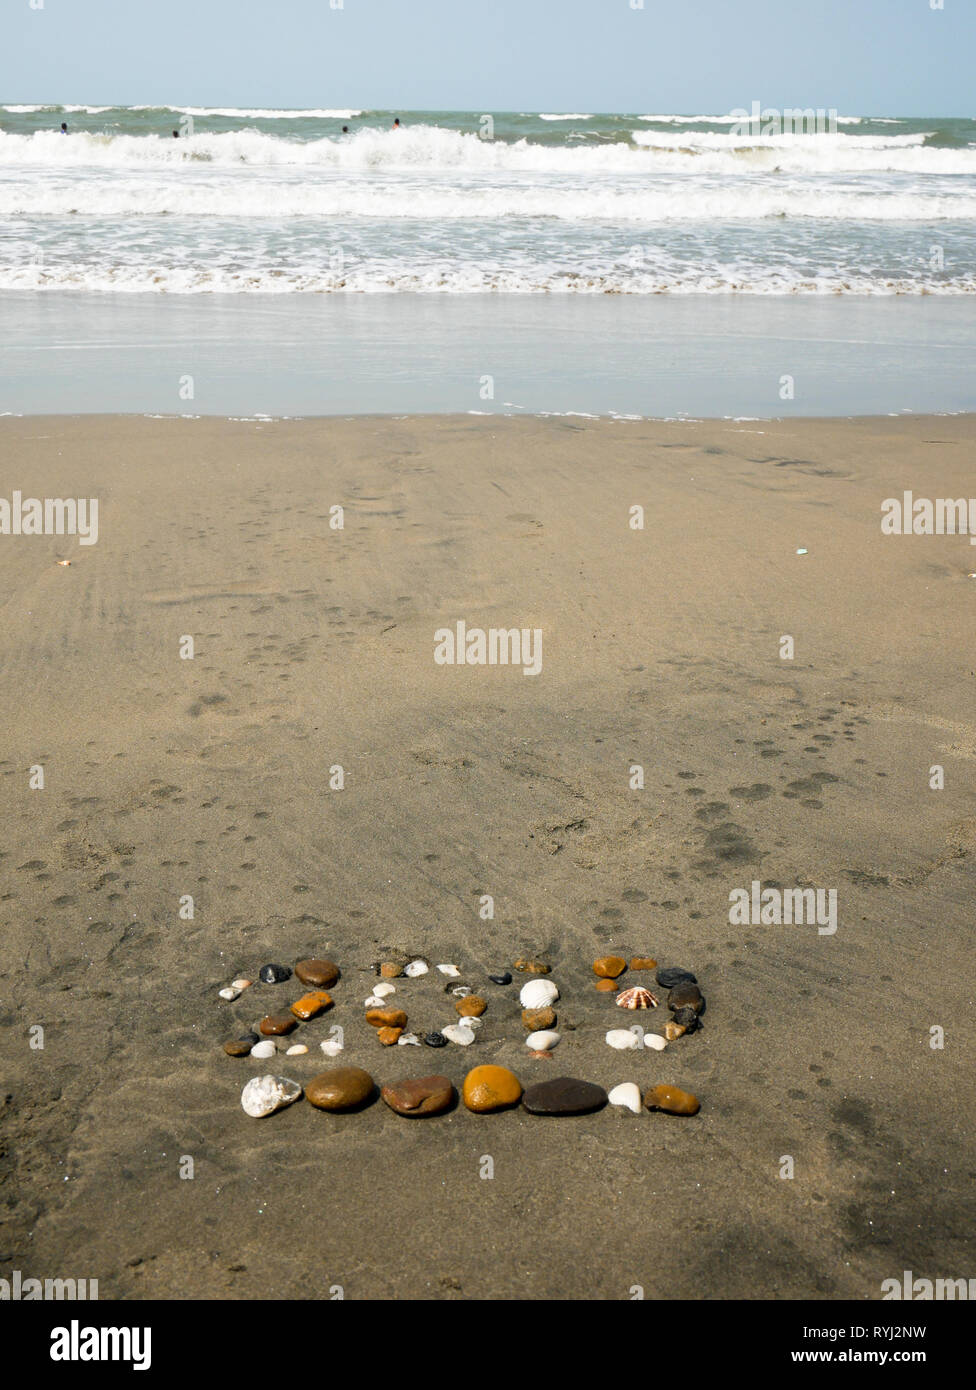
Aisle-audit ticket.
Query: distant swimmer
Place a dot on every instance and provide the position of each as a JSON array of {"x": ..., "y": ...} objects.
[
  {"x": 345, "y": 130},
  {"x": 396, "y": 123},
  {"x": 176, "y": 134},
  {"x": 64, "y": 127}
]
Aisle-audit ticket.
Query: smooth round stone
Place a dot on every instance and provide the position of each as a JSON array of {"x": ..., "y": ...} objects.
[
  {"x": 686, "y": 996},
  {"x": 386, "y": 1018},
  {"x": 471, "y": 1005},
  {"x": 342, "y": 1088},
  {"x": 384, "y": 990},
  {"x": 607, "y": 986},
  {"x": 534, "y": 1019},
  {"x": 532, "y": 967},
  {"x": 490, "y": 1088},
  {"x": 274, "y": 974},
  {"x": 427, "y": 1095},
  {"x": 241, "y": 984},
  {"x": 274, "y": 1025},
  {"x": 622, "y": 1039},
  {"x": 672, "y": 1100},
  {"x": 264, "y": 1049},
  {"x": 609, "y": 967},
  {"x": 311, "y": 1005},
  {"x": 536, "y": 994},
  {"x": 564, "y": 1095},
  {"x": 391, "y": 969},
  {"x": 643, "y": 963},
  {"x": 436, "y": 1039},
  {"x": 627, "y": 1095},
  {"x": 669, "y": 976},
  {"x": 415, "y": 968},
  {"x": 450, "y": 970},
  {"x": 240, "y": 1047},
  {"x": 229, "y": 993},
  {"x": 543, "y": 1041},
  {"x": 297, "y": 1051},
  {"x": 251, "y": 1036},
  {"x": 687, "y": 1019},
  {"x": 263, "y": 1095},
  {"x": 389, "y": 1036},
  {"x": 504, "y": 978},
  {"x": 458, "y": 1033},
  {"x": 317, "y": 972},
  {"x": 655, "y": 1041}
]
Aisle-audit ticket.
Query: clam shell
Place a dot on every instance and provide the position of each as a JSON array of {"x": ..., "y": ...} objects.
[
  {"x": 636, "y": 998},
  {"x": 537, "y": 993},
  {"x": 543, "y": 1041},
  {"x": 627, "y": 1095},
  {"x": 381, "y": 991},
  {"x": 263, "y": 1095}
]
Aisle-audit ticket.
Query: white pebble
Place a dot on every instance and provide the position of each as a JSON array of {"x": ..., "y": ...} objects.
[
  {"x": 416, "y": 967},
  {"x": 381, "y": 991},
  {"x": 408, "y": 1040},
  {"x": 451, "y": 970},
  {"x": 242, "y": 984},
  {"x": 626, "y": 1095},
  {"x": 297, "y": 1050},
  {"x": 536, "y": 994},
  {"x": 375, "y": 1001},
  {"x": 264, "y": 1048},
  {"x": 230, "y": 993},
  {"x": 265, "y": 1094},
  {"x": 542, "y": 1041},
  {"x": 622, "y": 1039},
  {"x": 656, "y": 1041},
  {"x": 457, "y": 1033},
  {"x": 331, "y": 1047}
]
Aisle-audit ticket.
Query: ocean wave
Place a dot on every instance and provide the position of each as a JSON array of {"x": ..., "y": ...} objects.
[
  {"x": 252, "y": 113},
  {"x": 573, "y": 116}
]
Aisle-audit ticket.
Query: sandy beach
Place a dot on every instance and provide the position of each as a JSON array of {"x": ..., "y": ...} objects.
[{"x": 314, "y": 649}]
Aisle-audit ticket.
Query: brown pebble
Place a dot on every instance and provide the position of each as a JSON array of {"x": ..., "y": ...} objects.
[
  {"x": 386, "y": 1018},
  {"x": 607, "y": 986},
  {"x": 491, "y": 1088},
  {"x": 532, "y": 967},
  {"x": 427, "y": 1095},
  {"x": 390, "y": 970},
  {"x": 388, "y": 1036},
  {"x": 642, "y": 963},
  {"x": 342, "y": 1088},
  {"x": 535, "y": 1020},
  {"x": 673, "y": 1100},
  {"x": 674, "y": 1030},
  {"x": 312, "y": 1004},
  {"x": 276, "y": 1024},
  {"x": 686, "y": 996},
  {"x": 609, "y": 967},
  {"x": 239, "y": 1047},
  {"x": 471, "y": 1006},
  {"x": 317, "y": 972}
]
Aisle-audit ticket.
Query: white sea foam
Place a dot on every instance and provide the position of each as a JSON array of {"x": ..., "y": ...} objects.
[{"x": 572, "y": 116}]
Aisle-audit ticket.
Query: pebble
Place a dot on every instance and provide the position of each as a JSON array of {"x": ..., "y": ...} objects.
[
  {"x": 671, "y": 1099},
  {"x": 331, "y": 1046},
  {"x": 609, "y": 967},
  {"x": 264, "y": 1049},
  {"x": 669, "y": 976},
  {"x": 607, "y": 986},
  {"x": 427, "y": 1095},
  {"x": 472, "y": 1005},
  {"x": 458, "y": 1033},
  {"x": 686, "y": 996},
  {"x": 674, "y": 1030},
  {"x": 622, "y": 1039},
  {"x": 543, "y": 1041},
  {"x": 687, "y": 1019},
  {"x": 342, "y": 1088},
  {"x": 274, "y": 974},
  {"x": 383, "y": 990},
  {"x": 655, "y": 1041},
  {"x": 436, "y": 1039},
  {"x": 627, "y": 1095},
  {"x": 642, "y": 963},
  {"x": 537, "y": 994},
  {"x": 298, "y": 1050},
  {"x": 274, "y": 1025},
  {"x": 415, "y": 968},
  {"x": 386, "y": 1018},
  {"x": 534, "y": 1019},
  {"x": 408, "y": 1040},
  {"x": 240, "y": 1047},
  {"x": 564, "y": 1096},
  {"x": 532, "y": 967},
  {"x": 263, "y": 1095},
  {"x": 229, "y": 992},
  {"x": 310, "y": 1005},
  {"x": 490, "y": 1088},
  {"x": 451, "y": 970},
  {"x": 242, "y": 983},
  {"x": 504, "y": 978},
  {"x": 317, "y": 972},
  {"x": 390, "y": 969},
  {"x": 389, "y": 1036}
]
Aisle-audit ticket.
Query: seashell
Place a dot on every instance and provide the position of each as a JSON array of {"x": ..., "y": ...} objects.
[
  {"x": 263, "y": 1095},
  {"x": 241, "y": 984},
  {"x": 472, "y": 1021},
  {"x": 451, "y": 970},
  {"x": 461, "y": 991},
  {"x": 655, "y": 1041},
  {"x": 381, "y": 991},
  {"x": 458, "y": 1033},
  {"x": 636, "y": 998},
  {"x": 415, "y": 968},
  {"x": 375, "y": 1001},
  {"x": 543, "y": 1041},
  {"x": 297, "y": 1050},
  {"x": 674, "y": 1030},
  {"x": 537, "y": 993},
  {"x": 627, "y": 1095},
  {"x": 408, "y": 1040},
  {"x": 265, "y": 1048},
  {"x": 229, "y": 993},
  {"x": 622, "y": 1039},
  {"x": 331, "y": 1046}
]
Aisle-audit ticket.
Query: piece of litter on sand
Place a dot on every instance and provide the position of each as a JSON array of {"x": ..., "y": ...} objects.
[
  {"x": 64, "y": 562},
  {"x": 801, "y": 551}
]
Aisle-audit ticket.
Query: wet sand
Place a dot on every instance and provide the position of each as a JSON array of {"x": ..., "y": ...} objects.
[{"x": 314, "y": 649}]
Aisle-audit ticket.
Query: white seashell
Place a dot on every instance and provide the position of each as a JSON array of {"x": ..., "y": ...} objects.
[
  {"x": 331, "y": 1047},
  {"x": 536, "y": 994},
  {"x": 469, "y": 1021},
  {"x": 451, "y": 970},
  {"x": 457, "y": 1033},
  {"x": 626, "y": 1095},
  {"x": 408, "y": 1040},
  {"x": 375, "y": 1001},
  {"x": 543, "y": 1041},
  {"x": 416, "y": 967},
  {"x": 264, "y": 1048},
  {"x": 622, "y": 1039},
  {"x": 242, "y": 984},
  {"x": 462, "y": 991},
  {"x": 381, "y": 991},
  {"x": 297, "y": 1050},
  {"x": 655, "y": 1041},
  {"x": 230, "y": 992},
  {"x": 263, "y": 1095}
]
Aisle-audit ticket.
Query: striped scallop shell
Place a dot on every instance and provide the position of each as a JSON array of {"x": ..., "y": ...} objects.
[{"x": 636, "y": 998}]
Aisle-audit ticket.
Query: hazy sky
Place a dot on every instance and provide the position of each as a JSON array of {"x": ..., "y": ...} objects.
[{"x": 862, "y": 57}]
